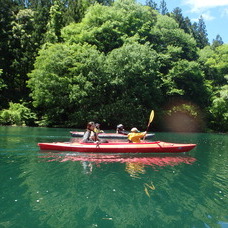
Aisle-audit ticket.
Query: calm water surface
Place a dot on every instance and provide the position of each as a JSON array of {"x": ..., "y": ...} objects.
[{"x": 43, "y": 189}]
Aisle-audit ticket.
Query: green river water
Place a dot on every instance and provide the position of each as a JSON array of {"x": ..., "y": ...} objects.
[{"x": 44, "y": 189}]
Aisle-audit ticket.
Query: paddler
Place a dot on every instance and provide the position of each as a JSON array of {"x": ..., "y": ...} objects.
[
  {"x": 120, "y": 129},
  {"x": 97, "y": 128},
  {"x": 135, "y": 135},
  {"x": 90, "y": 136}
]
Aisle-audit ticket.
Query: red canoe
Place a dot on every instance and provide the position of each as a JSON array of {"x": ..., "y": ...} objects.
[{"x": 123, "y": 147}]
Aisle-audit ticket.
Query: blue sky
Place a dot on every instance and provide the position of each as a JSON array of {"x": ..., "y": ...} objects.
[{"x": 214, "y": 12}]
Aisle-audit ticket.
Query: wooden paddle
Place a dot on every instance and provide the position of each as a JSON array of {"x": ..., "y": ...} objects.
[{"x": 150, "y": 120}]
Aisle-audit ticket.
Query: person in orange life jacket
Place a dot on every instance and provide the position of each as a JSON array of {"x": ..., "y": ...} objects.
[
  {"x": 135, "y": 135},
  {"x": 120, "y": 129}
]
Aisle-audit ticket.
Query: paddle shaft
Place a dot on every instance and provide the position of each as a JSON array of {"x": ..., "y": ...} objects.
[{"x": 149, "y": 122}]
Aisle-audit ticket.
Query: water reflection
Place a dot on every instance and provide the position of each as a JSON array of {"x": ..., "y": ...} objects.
[{"x": 134, "y": 164}]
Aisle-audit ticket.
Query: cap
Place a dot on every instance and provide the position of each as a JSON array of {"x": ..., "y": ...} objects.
[
  {"x": 120, "y": 125},
  {"x": 134, "y": 129}
]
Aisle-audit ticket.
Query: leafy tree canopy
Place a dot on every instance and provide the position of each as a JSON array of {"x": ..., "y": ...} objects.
[
  {"x": 66, "y": 79},
  {"x": 117, "y": 59},
  {"x": 108, "y": 27},
  {"x": 216, "y": 61}
]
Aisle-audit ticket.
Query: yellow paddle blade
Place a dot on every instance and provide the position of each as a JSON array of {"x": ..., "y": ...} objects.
[{"x": 151, "y": 117}]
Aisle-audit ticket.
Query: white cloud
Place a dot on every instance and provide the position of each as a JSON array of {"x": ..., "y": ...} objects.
[
  {"x": 197, "y": 5},
  {"x": 207, "y": 16}
]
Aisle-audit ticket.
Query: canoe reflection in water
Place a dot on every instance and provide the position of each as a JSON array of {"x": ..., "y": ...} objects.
[{"x": 135, "y": 164}]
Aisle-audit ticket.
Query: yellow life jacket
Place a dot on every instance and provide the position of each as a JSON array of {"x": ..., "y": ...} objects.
[{"x": 135, "y": 137}]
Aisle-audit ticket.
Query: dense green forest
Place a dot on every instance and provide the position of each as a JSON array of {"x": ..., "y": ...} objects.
[{"x": 66, "y": 62}]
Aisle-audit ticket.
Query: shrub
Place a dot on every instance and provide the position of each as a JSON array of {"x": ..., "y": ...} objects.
[{"x": 17, "y": 114}]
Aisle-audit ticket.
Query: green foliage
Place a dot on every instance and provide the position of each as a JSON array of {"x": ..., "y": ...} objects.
[
  {"x": 184, "y": 108},
  {"x": 167, "y": 33},
  {"x": 219, "y": 110},
  {"x": 75, "y": 10},
  {"x": 217, "y": 42},
  {"x": 215, "y": 63},
  {"x": 117, "y": 59},
  {"x": 108, "y": 27},
  {"x": 199, "y": 32},
  {"x": 220, "y": 61},
  {"x": 7, "y": 8},
  {"x": 187, "y": 79},
  {"x": 163, "y": 8},
  {"x": 184, "y": 23},
  {"x": 67, "y": 79},
  {"x": 2, "y": 85},
  {"x": 23, "y": 41},
  {"x": 201, "y": 38},
  {"x": 135, "y": 81},
  {"x": 118, "y": 56},
  {"x": 55, "y": 23},
  {"x": 23, "y": 28},
  {"x": 17, "y": 114},
  {"x": 81, "y": 84},
  {"x": 152, "y": 4}
]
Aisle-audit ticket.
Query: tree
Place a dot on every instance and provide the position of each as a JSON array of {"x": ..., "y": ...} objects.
[
  {"x": 106, "y": 29},
  {"x": 89, "y": 78},
  {"x": 203, "y": 40},
  {"x": 219, "y": 64},
  {"x": 55, "y": 23},
  {"x": 166, "y": 32},
  {"x": 17, "y": 114},
  {"x": 184, "y": 23},
  {"x": 200, "y": 33},
  {"x": 163, "y": 8},
  {"x": 2, "y": 85},
  {"x": 187, "y": 26},
  {"x": 67, "y": 83},
  {"x": 75, "y": 11},
  {"x": 142, "y": 57},
  {"x": 23, "y": 48},
  {"x": 215, "y": 63},
  {"x": 217, "y": 41},
  {"x": 135, "y": 81},
  {"x": 152, "y": 4},
  {"x": 7, "y": 10},
  {"x": 210, "y": 72},
  {"x": 218, "y": 109},
  {"x": 21, "y": 37},
  {"x": 186, "y": 80}
]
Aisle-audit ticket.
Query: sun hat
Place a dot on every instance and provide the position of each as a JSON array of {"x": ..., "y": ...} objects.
[{"x": 134, "y": 129}]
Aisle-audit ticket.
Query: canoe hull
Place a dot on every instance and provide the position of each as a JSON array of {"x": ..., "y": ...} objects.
[
  {"x": 106, "y": 135},
  {"x": 152, "y": 147}
]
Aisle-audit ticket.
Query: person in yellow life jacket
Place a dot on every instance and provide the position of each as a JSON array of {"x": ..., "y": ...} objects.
[
  {"x": 97, "y": 128},
  {"x": 135, "y": 135}
]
